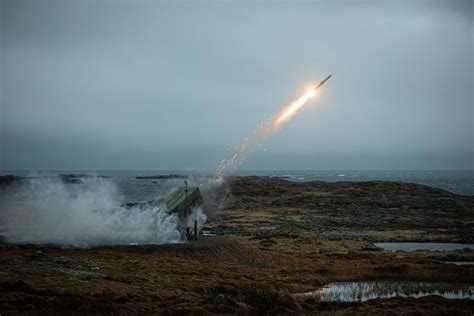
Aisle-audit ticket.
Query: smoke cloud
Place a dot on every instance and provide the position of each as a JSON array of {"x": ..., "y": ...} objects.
[
  {"x": 197, "y": 215},
  {"x": 45, "y": 210}
]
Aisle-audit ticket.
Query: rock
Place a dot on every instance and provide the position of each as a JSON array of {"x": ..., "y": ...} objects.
[
  {"x": 267, "y": 242},
  {"x": 324, "y": 250},
  {"x": 371, "y": 248}
]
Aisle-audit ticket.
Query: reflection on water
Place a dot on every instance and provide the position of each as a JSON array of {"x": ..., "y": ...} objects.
[
  {"x": 461, "y": 263},
  {"x": 364, "y": 291},
  {"x": 429, "y": 246}
]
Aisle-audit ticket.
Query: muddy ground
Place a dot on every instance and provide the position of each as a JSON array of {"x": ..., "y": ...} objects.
[{"x": 274, "y": 239}]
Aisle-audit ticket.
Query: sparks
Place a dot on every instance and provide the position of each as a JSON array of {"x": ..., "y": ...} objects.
[{"x": 265, "y": 130}]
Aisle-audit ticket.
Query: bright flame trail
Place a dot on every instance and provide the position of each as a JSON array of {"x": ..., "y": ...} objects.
[
  {"x": 265, "y": 130},
  {"x": 292, "y": 109}
]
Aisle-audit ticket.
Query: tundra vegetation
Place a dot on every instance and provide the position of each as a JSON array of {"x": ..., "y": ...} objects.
[{"x": 274, "y": 240}]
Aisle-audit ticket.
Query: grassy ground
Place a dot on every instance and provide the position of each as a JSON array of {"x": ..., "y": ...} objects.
[{"x": 274, "y": 239}]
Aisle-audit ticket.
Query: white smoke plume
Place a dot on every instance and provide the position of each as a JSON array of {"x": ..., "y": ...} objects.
[
  {"x": 197, "y": 215},
  {"x": 45, "y": 210},
  {"x": 217, "y": 193}
]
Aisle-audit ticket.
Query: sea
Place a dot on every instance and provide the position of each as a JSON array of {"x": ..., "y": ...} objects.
[{"x": 133, "y": 189}]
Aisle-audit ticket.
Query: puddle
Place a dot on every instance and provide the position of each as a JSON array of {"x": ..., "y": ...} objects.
[
  {"x": 427, "y": 246},
  {"x": 364, "y": 291},
  {"x": 207, "y": 233},
  {"x": 460, "y": 263}
]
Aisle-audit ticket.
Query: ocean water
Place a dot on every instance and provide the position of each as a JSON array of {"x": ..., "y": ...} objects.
[{"x": 134, "y": 190}]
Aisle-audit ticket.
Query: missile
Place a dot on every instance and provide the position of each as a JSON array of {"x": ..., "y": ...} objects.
[{"x": 322, "y": 82}]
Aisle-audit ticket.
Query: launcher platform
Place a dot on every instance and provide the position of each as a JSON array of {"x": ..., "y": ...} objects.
[{"x": 182, "y": 201}]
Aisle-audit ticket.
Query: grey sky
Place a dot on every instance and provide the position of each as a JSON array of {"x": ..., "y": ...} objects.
[{"x": 178, "y": 85}]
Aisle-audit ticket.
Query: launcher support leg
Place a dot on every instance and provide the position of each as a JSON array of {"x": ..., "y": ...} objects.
[{"x": 195, "y": 230}]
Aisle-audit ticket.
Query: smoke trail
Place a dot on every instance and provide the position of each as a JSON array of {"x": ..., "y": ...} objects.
[
  {"x": 45, "y": 210},
  {"x": 264, "y": 131}
]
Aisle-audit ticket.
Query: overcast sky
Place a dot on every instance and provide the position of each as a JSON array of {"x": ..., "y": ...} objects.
[{"x": 178, "y": 85}]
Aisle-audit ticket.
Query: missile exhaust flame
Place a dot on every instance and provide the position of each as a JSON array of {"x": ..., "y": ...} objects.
[
  {"x": 292, "y": 109},
  {"x": 265, "y": 130}
]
